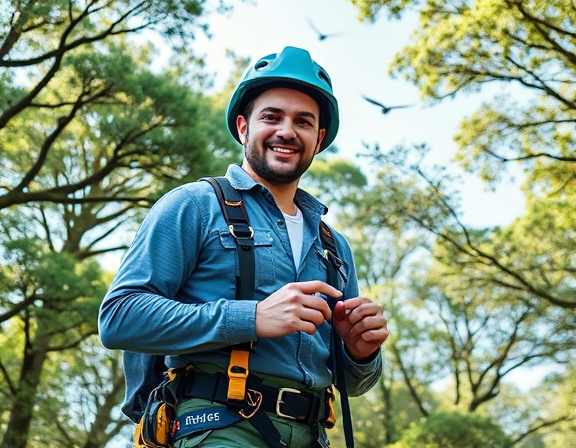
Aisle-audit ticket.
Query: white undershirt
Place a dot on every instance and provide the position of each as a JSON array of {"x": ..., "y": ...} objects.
[{"x": 295, "y": 227}]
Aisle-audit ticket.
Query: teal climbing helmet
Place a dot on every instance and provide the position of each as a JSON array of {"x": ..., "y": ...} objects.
[{"x": 294, "y": 69}]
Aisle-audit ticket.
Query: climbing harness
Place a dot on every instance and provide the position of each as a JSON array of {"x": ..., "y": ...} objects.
[{"x": 244, "y": 394}]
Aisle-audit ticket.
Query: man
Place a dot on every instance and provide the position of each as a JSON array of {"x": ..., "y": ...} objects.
[{"x": 174, "y": 292}]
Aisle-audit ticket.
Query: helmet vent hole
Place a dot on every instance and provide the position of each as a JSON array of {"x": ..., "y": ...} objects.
[
  {"x": 260, "y": 64},
  {"x": 324, "y": 76}
]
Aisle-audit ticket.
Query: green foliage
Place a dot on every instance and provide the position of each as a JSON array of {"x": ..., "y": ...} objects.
[
  {"x": 530, "y": 413},
  {"x": 79, "y": 386},
  {"x": 133, "y": 125},
  {"x": 42, "y": 23},
  {"x": 526, "y": 47},
  {"x": 489, "y": 301},
  {"x": 466, "y": 307},
  {"x": 369, "y": 9},
  {"x": 453, "y": 430},
  {"x": 334, "y": 180},
  {"x": 93, "y": 130}
]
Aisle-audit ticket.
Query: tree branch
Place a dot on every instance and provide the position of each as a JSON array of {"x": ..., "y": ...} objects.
[
  {"x": 544, "y": 424},
  {"x": 408, "y": 382}
]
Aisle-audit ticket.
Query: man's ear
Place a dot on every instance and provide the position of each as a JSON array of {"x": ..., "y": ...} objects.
[
  {"x": 321, "y": 134},
  {"x": 242, "y": 128}
]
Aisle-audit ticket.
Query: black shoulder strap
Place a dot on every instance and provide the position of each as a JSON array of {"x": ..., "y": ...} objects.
[
  {"x": 236, "y": 217},
  {"x": 334, "y": 272},
  {"x": 335, "y": 264}
]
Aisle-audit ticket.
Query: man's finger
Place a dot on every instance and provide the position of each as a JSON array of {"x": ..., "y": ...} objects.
[{"x": 316, "y": 286}]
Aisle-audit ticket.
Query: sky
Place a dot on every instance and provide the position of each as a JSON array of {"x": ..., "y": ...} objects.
[{"x": 357, "y": 56}]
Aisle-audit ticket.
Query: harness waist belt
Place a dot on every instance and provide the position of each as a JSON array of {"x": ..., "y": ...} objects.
[{"x": 286, "y": 402}]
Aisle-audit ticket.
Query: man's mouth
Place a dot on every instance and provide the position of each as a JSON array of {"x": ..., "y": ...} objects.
[{"x": 282, "y": 150}]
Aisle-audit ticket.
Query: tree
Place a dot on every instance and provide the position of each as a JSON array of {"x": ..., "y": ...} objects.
[
  {"x": 78, "y": 398},
  {"x": 453, "y": 430},
  {"x": 62, "y": 296},
  {"x": 69, "y": 61},
  {"x": 461, "y": 47},
  {"x": 537, "y": 418},
  {"x": 454, "y": 321},
  {"x": 463, "y": 314},
  {"x": 382, "y": 254},
  {"x": 91, "y": 136}
]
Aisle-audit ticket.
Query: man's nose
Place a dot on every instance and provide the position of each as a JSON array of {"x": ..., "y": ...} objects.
[{"x": 286, "y": 130}]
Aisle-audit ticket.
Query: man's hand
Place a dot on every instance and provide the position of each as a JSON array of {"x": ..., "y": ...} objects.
[
  {"x": 361, "y": 325},
  {"x": 293, "y": 308}
]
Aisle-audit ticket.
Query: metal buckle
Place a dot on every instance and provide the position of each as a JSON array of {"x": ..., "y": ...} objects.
[
  {"x": 254, "y": 400},
  {"x": 233, "y": 232},
  {"x": 279, "y": 401},
  {"x": 233, "y": 203},
  {"x": 336, "y": 262}
]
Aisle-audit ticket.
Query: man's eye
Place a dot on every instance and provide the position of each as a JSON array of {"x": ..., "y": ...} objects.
[{"x": 270, "y": 117}]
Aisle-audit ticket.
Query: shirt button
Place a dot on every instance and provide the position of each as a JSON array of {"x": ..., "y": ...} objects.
[{"x": 280, "y": 223}]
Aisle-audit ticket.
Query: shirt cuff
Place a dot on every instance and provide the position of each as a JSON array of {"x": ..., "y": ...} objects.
[{"x": 241, "y": 321}]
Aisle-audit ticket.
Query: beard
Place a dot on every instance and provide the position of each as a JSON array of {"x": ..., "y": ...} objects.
[{"x": 278, "y": 173}]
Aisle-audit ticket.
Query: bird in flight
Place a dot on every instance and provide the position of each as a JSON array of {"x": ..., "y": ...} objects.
[
  {"x": 321, "y": 36},
  {"x": 385, "y": 109}
]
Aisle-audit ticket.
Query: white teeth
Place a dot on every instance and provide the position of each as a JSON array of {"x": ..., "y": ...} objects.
[{"x": 283, "y": 150}]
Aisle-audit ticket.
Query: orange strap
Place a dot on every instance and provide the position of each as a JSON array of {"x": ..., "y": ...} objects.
[{"x": 237, "y": 374}]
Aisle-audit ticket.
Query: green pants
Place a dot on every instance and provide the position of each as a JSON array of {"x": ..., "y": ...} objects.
[{"x": 243, "y": 435}]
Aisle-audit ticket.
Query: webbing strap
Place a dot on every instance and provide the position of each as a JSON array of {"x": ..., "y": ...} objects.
[
  {"x": 334, "y": 271},
  {"x": 238, "y": 373},
  {"x": 212, "y": 386},
  {"x": 234, "y": 212},
  {"x": 266, "y": 428},
  {"x": 335, "y": 264},
  {"x": 239, "y": 225},
  {"x": 340, "y": 381}
]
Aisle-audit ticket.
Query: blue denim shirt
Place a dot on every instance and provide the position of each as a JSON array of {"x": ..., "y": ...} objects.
[{"x": 174, "y": 291}]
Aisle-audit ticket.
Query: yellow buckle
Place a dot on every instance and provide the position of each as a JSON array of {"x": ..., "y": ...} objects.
[
  {"x": 237, "y": 374},
  {"x": 279, "y": 401}
]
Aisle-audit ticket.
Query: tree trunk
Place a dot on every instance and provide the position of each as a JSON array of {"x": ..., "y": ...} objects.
[{"x": 16, "y": 435}]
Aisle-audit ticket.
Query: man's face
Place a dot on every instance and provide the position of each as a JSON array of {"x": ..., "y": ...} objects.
[{"x": 281, "y": 136}]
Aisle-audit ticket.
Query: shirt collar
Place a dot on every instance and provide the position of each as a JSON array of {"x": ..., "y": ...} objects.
[{"x": 241, "y": 180}]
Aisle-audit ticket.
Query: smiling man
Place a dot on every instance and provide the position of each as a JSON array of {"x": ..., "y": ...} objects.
[
  {"x": 286, "y": 123},
  {"x": 280, "y": 137},
  {"x": 175, "y": 294}
]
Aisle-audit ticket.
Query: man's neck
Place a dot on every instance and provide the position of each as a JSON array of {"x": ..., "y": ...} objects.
[{"x": 283, "y": 194}]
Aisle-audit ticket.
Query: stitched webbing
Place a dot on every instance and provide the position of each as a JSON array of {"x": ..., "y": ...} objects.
[
  {"x": 334, "y": 271},
  {"x": 237, "y": 220}
]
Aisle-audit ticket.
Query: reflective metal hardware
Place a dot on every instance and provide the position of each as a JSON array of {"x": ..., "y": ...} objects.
[
  {"x": 231, "y": 228},
  {"x": 279, "y": 401},
  {"x": 329, "y": 255},
  {"x": 254, "y": 400}
]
